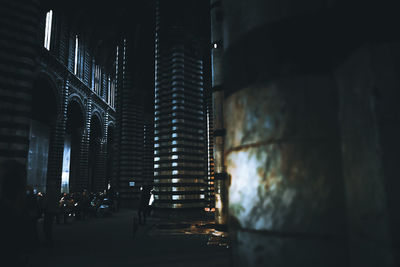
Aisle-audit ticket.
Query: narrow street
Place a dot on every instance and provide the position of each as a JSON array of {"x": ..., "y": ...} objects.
[{"x": 109, "y": 241}]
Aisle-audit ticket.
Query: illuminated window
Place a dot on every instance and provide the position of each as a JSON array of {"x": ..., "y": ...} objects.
[
  {"x": 47, "y": 33},
  {"x": 97, "y": 79},
  {"x": 110, "y": 92},
  {"x": 76, "y": 54}
]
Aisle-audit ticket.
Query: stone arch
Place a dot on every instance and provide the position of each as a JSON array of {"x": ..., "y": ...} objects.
[
  {"x": 78, "y": 99},
  {"x": 97, "y": 114},
  {"x": 111, "y": 124},
  {"x": 53, "y": 83}
]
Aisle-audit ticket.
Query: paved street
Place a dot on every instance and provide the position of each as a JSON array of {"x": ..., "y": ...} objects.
[{"x": 109, "y": 241}]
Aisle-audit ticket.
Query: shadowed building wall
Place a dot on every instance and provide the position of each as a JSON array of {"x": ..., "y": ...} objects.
[
  {"x": 18, "y": 35},
  {"x": 29, "y": 57},
  {"x": 130, "y": 124},
  {"x": 220, "y": 176},
  {"x": 309, "y": 113}
]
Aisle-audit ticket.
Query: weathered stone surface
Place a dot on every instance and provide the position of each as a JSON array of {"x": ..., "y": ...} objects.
[
  {"x": 291, "y": 109},
  {"x": 283, "y": 158}
]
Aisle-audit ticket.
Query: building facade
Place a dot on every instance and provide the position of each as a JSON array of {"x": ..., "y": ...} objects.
[{"x": 59, "y": 128}]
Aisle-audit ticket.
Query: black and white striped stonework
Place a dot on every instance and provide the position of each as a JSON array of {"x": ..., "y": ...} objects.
[
  {"x": 148, "y": 158},
  {"x": 209, "y": 142},
  {"x": 129, "y": 130},
  {"x": 18, "y": 24},
  {"x": 179, "y": 128},
  {"x": 100, "y": 170},
  {"x": 101, "y": 160},
  {"x": 56, "y": 145},
  {"x": 83, "y": 182}
]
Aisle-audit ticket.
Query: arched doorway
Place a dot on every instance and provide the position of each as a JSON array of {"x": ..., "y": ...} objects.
[
  {"x": 72, "y": 143},
  {"x": 95, "y": 168},
  {"x": 43, "y": 117}
]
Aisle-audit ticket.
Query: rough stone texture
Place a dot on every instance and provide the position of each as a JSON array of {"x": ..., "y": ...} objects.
[
  {"x": 283, "y": 156},
  {"x": 284, "y": 172},
  {"x": 368, "y": 90}
]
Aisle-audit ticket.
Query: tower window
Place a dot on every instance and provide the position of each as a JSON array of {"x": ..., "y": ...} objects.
[
  {"x": 76, "y": 55},
  {"x": 47, "y": 34},
  {"x": 111, "y": 92}
]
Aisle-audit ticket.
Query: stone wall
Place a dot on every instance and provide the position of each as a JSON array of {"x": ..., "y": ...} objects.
[{"x": 311, "y": 124}]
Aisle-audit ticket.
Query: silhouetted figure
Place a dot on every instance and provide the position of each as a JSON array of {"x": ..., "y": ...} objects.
[
  {"x": 51, "y": 210},
  {"x": 117, "y": 201},
  {"x": 85, "y": 202},
  {"x": 33, "y": 214},
  {"x": 39, "y": 197},
  {"x": 144, "y": 204},
  {"x": 64, "y": 207},
  {"x": 13, "y": 223}
]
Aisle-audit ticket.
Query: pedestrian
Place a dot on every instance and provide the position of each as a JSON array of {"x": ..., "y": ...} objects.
[
  {"x": 85, "y": 204},
  {"x": 51, "y": 210},
  {"x": 32, "y": 216},
  {"x": 144, "y": 203}
]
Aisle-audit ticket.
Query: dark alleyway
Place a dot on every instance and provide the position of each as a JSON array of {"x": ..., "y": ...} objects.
[{"x": 108, "y": 242}]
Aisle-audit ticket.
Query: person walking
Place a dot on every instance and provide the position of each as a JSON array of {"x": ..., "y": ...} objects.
[
  {"x": 51, "y": 210},
  {"x": 144, "y": 203}
]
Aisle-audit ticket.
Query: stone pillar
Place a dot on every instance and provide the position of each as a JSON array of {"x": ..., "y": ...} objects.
[
  {"x": 84, "y": 148},
  {"x": 101, "y": 160},
  {"x": 118, "y": 116},
  {"x": 105, "y": 148},
  {"x": 19, "y": 24},
  {"x": 56, "y": 147},
  {"x": 129, "y": 130},
  {"x": 282, "y": 148},
  {"x": 220, "y": 177}
]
